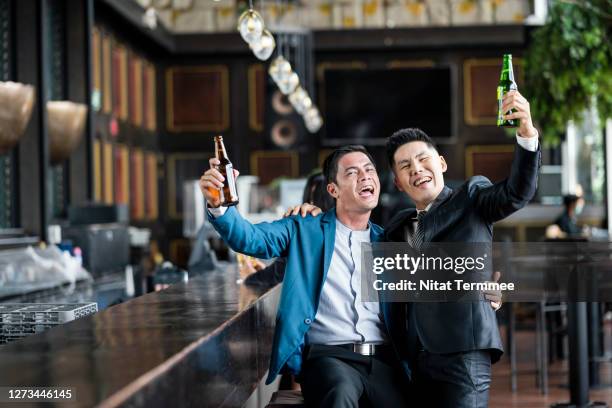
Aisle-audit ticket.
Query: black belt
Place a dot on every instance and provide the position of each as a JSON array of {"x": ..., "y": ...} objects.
[{"x": 365, "y": 349}]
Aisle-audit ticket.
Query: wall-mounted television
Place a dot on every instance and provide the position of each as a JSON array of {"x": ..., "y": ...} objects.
[{"x": 367, "y": 106}]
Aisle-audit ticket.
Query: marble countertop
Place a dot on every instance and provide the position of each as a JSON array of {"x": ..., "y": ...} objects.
[{"x": 203, "y": 343}]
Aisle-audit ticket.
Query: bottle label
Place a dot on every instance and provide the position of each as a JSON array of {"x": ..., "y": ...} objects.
[
  {"x": 231, "y": 181},
  {"x": 500, "y": 96}
]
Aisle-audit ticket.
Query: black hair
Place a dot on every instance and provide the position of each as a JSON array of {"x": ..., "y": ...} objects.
[
  {"x": 330, "y": 165},
  {"x": 569, "y": 199},
  {"x": 315, "y": 192},
  {"x": 403, "y": 136}
]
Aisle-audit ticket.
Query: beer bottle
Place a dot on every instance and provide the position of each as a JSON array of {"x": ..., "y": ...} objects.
[
  {"x": 506, "y": 83},
  {"x": 227, "y": 194}
]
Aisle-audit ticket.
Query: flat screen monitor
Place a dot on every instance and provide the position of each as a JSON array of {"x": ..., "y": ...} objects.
[{"x": 367, "y": 106}]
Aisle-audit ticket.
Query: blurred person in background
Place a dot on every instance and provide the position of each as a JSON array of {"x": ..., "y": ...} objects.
[
  {"x": 566, "y": 224},
  {"x": 568, "y": 220}
]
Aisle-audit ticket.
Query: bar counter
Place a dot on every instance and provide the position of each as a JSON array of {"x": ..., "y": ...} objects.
[{"x": 205, "y": 343}]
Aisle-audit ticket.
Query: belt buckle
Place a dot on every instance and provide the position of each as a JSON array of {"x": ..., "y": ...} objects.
[{"x": 365, "y": 349}]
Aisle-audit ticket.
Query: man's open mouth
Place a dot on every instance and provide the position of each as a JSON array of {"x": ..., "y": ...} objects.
[
  {"x": 423, "y": 181},
  {"x": 366, "y": 191}
]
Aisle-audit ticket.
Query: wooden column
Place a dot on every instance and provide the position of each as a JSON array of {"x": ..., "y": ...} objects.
[
  {"x": 79, "y": 21},
  {"x": 33, "y": 151}
]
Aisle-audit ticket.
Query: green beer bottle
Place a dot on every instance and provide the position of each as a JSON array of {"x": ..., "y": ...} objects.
[{"x": 506, "y": 83}]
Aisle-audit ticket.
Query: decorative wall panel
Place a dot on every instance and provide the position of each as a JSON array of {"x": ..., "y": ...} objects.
[
  {"x": 120, "y": 82},
  {"x": 150, "y": 98},
  {"x": 108, "y": 160},
  {"x": 257, "y": 96},
  {"x": 97, "y": 169},
  {"x": 137, "y": 183},
  {"x": 151, "y": 190},
  {"x": 107, "y": 74},
  {"x": 480, "y": 79},
  {"x": 269, "y": 165},
  {"x": 122, "y": 174},
  {"x": 491, "y": 161},
  {"x": 197, "y": 98},
  {"x": 135, "y": 88}
]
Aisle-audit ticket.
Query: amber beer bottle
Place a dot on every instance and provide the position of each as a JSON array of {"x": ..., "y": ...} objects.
[
  {"x": 506, "y": 83},
  {"x": 227, "y": 194}
]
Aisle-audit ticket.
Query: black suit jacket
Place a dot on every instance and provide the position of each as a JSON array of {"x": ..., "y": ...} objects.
[{"x": 462, "y": 215}]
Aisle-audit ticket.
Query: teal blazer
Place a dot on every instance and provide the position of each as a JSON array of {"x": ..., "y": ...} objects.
[{"x": 308, "y": 244}]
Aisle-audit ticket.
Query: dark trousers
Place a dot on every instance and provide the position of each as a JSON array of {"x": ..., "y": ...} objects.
[
  {"x": 457, "y": 380},
  {"x": 335, "y": 377}
]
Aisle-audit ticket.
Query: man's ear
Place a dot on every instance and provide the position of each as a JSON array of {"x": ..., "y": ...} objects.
[
  {"x": 443, "y": 163},
  {"x": 331, "y": 189}
]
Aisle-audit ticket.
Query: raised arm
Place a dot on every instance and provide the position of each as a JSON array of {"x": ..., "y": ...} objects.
[
  {"x": 263, "y": 240},
  {"x": 499, "y": 200}
]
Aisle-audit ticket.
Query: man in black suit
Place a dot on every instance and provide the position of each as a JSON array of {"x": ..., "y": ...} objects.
[{"x": 450, "y": 346}]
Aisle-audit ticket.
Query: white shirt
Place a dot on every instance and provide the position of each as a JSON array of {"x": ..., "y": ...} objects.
[{"x": 342, "y": 317}]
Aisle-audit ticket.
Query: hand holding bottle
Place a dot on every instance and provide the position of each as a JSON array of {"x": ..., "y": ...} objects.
[
  {"x": 218, "y": 185},
  {"x": 212, "y": 183},
  {"x": 513, "y": 100}
]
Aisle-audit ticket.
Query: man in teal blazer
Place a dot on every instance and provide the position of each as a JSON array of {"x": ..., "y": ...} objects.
[{"x": 336, "y": 344}]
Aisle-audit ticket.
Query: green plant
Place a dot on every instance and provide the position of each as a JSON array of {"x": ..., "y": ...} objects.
[{"x": 568, "y": 66}]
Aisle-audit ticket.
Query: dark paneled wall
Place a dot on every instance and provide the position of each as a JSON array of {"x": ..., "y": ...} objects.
[
  {"x": 203, "y": 89},
  {"x": 42, "y": 45},
  {"x": 242, "y": 140},
  {"x": 127, "y": 163}
]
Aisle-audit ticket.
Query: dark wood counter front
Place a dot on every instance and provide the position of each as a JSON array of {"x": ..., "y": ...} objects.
[{"x": 205, "y": 343}]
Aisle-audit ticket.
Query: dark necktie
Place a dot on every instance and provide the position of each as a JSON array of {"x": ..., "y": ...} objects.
[{"x": 419, "y": 232}]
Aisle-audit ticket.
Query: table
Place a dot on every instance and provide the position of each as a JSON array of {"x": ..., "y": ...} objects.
[{"x": 203, "y": 343}]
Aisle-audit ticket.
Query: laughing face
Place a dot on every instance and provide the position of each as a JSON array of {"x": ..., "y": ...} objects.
[
  {"x": 418, "y": 171},
  {"x": 357, "y": 186}
]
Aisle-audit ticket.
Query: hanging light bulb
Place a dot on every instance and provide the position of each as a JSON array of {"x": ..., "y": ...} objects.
[
  {"x": 251, "y": 26},
  {"x": 280, "y": 69},
  {"x": 313, "y": 120},
  {"x": 264, "y": 48},
  {"x": 296, "y": 97},
  {"x": 288, "y": 84},
  {"x": 306, "y": 103},
  {"x": 300, "y": 100},
  {"x": 314, "y": 124},
  {"x": 311, "y": 112},
  {"x": 149, "y": 18}
]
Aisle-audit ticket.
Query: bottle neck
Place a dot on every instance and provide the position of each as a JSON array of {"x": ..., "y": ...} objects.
[
  {"x": 507, "y": 73},
  {"x": 220, "y": 151}
]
